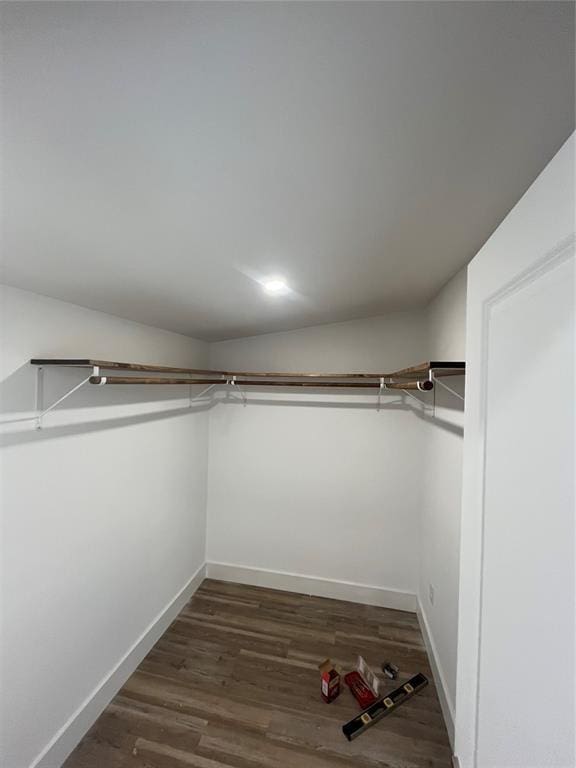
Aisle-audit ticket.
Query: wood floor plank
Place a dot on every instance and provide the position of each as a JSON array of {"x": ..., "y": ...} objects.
[
  {"x": 269, "y": 627},
  {"x": 166, "y": 718},
  {"x": 170, "y": 756},
  {"x": 181, "y": 696},
  {"x": 225, "y": 642},
  {"x": 324, "y": 736},
  {"x": 233, "y": 683},
  {"x": 261, "y": 751},
  {"x": 204, "y": 627},
  {"x": 229, "y": 601}
]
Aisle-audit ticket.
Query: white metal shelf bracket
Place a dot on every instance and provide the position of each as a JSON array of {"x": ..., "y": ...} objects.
[
  {"x": 40, "y": 394},
  {"x": 436, "y": 380},
  {"x": 234, "y": 383},
  {"x": 417, "y": 399},
  {"x": 200, "y": 394},
  {"x": 380, "y": 390}
]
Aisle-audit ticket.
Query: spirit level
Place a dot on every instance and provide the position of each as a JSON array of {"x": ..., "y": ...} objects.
[{"x": 384, "y": 706}]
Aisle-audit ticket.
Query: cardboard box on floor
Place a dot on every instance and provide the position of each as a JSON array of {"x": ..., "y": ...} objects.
[{"x": 330, "y": 680}]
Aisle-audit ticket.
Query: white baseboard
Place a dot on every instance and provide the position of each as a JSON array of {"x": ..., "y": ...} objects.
[
  {"x": 58, "y": 749},
  {"x": 313, "y": 585},
  {"x": 439, "y": 679}
]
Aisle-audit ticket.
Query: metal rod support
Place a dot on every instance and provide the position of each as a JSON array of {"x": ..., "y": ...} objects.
[
  {"x": 234, "y": 381},
  {"x": 452, "y": 391},
  {"x": 39, "y": 389},
  {"x": 204, "y": 391},
  {"x": 420, "y": 402},
  {"x": 60, "y": 400}
]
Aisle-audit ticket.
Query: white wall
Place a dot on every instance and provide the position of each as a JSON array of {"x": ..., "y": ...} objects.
[
  {"x": 103, "y": 517},
  {"x": 319, "y": 485},
  {"x": 442, "y": 489},
  {"x": 446, "y": 320},
  {"x": 517, "y": 593}
]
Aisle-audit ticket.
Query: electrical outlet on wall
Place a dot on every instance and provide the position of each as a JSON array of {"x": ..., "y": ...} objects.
[{"x": 431, "y": 594}]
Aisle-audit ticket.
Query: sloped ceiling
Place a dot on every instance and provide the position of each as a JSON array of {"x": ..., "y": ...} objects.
[{"x": 161, "y": 158}]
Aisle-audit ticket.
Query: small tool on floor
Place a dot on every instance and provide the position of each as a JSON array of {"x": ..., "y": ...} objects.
[{"x": 390, "y": 670}]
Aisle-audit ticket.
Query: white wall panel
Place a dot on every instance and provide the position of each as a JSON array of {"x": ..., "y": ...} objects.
[{"x": 103, "y": 512}]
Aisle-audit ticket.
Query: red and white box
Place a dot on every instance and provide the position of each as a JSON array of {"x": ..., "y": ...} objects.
[{"x": 330, "y": 677}]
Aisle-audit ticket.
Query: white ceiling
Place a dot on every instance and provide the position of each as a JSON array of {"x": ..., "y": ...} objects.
[{"x": 160, "y": 157}]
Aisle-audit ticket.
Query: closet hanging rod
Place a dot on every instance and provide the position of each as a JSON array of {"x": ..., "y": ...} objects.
[
  {"x": 421, "y": 371},
  {"x": 424, "y": 385}
]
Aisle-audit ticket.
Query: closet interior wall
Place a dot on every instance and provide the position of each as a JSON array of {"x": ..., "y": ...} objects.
[
  {"x": 104, "y": 518},
  {"x": 319, "y": 492},
  {"x": 440, "y": 511}
]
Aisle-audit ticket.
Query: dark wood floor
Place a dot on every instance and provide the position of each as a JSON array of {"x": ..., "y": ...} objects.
[{"x": 234, "y": 684}]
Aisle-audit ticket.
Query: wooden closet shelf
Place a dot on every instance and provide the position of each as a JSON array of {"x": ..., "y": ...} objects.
[
  {"x": 423, "y": 371},
  {"x": 420, "y": 377}
]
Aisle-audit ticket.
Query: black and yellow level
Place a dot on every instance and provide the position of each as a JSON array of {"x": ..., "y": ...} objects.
[{"x": 384, "y": 706}]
